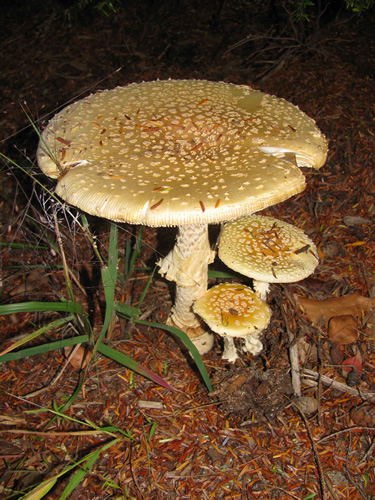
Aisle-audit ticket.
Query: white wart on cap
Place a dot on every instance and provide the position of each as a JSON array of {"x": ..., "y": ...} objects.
[
  {"x": 267, "y": 250},
  {"x": 234, "y": 310}
]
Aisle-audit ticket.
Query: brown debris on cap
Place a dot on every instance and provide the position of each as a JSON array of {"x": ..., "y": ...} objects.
[
  {"x": 233, "y": 310},
  {"x": 267, "y": 249},
  {"x": 179, "y": 152}
]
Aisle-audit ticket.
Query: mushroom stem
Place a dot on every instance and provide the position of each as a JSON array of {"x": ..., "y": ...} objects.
[
  {"x": 230, "y": 352},
  {"x": 261, "y": 288},
  {"x": 187, "y": 265}
]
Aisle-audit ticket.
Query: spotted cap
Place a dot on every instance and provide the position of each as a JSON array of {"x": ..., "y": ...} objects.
[
  {"x": 233, "y": 310},
  {"x": 178, "y": 152},
  {"x": 267, "y": 249}
]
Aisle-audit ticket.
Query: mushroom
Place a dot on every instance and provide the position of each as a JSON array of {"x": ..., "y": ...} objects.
[
  {"x": 234, "y": 310},
  {"x": 267, "y": 250},
  {"x": 180, "y": 153}
]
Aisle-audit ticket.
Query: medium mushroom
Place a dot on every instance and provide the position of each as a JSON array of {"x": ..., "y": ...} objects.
[
  {"x": 234, "y": 310},
  {"x": 180, "y": 153},
  {"x": 267, "y": 250}
]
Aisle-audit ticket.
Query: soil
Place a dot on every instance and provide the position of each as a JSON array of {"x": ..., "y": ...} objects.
[{"x": 247, "y": 438}]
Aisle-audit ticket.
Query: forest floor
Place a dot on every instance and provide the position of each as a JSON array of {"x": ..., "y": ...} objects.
[{"x": 248, "y": 438}]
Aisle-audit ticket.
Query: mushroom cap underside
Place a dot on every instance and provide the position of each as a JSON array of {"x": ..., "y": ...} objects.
[
  {"x": 179, "y": 152},
  {"x": 233, "y": 310},
  {"x": 267, "y": 249}
]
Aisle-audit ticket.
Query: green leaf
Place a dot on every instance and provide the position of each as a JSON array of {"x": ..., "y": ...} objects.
[
  {"x": 221, "y": 274},
  {"x": 79, "y": 475},
  {"x": 136, "y": 250},
  {"x": 147, "y": 286},
  {"x": 24, "y": 246},
  {"x": 43, "y": 488},
  {"x": 125, "y": 310},
  {"x": 41, "y": 349},
  {"x": 189, "y": 344},
  {"x": 133, "y": 365},
  {"x": 109, "y": 276},
  {"x": 67, "y": 307},
  {"x": 37, "y": 333}
]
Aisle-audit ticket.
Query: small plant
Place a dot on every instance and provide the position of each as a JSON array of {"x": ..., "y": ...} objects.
[
  {"x": 105, "y": 7},
  {"x": 359, "y": 5},
  {"x": 83, "y": 466},
  {"x": 301, "y": 13},
  {"x": 71, "y": 324},
  {"x": 74, "y": 313}
]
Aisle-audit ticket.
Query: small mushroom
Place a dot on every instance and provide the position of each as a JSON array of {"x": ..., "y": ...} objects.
[
  {"x": 180, "y": 153},
  {"x": 234, "y": 310},
  {"x": 267, "y": 250}
]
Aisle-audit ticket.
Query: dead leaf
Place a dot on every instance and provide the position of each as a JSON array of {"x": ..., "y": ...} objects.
[
  {"x": 353, "y": 363},
  {"x": 306, "y": 404},
  {"x": 78, "y": 357},
  {"x": 9, "y": 450},
  {"x": 323, "y": 310},
  {"x": 363, "y": 415},
  {"x": 353, "y": 220},
  {"x": 343, "y": 329}
]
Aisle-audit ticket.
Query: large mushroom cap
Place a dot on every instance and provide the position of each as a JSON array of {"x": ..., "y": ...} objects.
[
  {"x": 179, "y": 152},
  {"x": 267, "y": 249}
]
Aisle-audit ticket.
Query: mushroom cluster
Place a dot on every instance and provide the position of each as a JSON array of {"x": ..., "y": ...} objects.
[
  {"x": 268, "y": 251},
  {"x": 180, "y": 153}
]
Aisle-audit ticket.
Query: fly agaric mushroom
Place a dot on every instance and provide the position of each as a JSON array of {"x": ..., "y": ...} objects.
[
  {"x": 180, "y": 153},
  {"x": 234, "y": 310},
  {"x": 267, "y": 250}
]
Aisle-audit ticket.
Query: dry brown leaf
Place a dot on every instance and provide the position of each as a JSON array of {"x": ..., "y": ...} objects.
[
  {"x": 363, "y": 415},
  {"x": 9, "y": 450},
  {"x": 323, "y": 310},
  {"x": 78, "y": 357},
  {"x": 343, "y": 329}
]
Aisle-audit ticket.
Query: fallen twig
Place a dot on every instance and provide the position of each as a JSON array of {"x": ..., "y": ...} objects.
[
  {"x": 309, "y": 378},
  {"x": 322, "y": 480}
]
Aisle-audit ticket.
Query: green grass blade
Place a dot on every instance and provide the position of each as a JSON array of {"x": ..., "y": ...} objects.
[
  {"x": 79, "y": 475},
  {"x": 149, "y": 281},
  {"x": 23, "y": 246},
  {"x": 130, "y": 363},
  {"x": 25, "y": 171},
  {"x": 86, "y": 228},
  {"x": 67, "y": 307},
  {"x": 221, "y": 274},
  {"x": 136, "y": 250},
  {"x": 125, "y": 310},
  {"x": 37, "y": 333},
  {"x": 109, "y": 277},
  {"x": 189, "y": 344},
  {"x": 42, "y": 489},
  {"x": 41, "y": 349}
]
